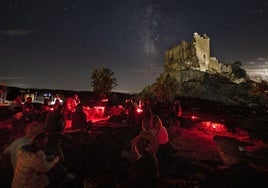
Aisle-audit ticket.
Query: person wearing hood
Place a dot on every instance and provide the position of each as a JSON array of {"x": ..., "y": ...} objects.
[
  {"x": 31, "y": 130},
  {"x": 32, "y": 165}
]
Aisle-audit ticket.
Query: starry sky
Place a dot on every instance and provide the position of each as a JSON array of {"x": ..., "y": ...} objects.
[{"x": 56, "y": 44}]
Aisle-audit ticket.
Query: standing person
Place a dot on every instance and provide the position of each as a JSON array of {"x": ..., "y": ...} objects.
[
  {"x": 132, "y": 114},
  {"x": 76, "y": 99},
  {"x": 32, "y": 166},
  {"x": 176, "y": 113},
  {"x": 70, "y": 105},
  {"x": 32, "y": 129},
  {"x": 147, "y": 110},
  {"x": 237, "y": 172}
]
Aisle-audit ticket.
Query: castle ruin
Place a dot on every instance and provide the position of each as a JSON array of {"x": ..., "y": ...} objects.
[{"x": 194, "y": 55}]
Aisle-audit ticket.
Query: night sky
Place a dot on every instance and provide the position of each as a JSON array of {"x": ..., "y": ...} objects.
[{"x": 56, "y": 44}]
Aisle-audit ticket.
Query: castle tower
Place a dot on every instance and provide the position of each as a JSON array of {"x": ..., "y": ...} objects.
[{"x": 202, "y": 47}]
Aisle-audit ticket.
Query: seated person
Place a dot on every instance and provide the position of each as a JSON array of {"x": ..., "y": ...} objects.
[
  {"x": 144, "y": 171},
  {"x": 32, "y": 166},
  {"x": 31, "y": 130},
  {"x": 146, "y": 133},
  {"x": 28, "y": 110},
  {"x": 79, "y": 120},
  {"x": 165, "y": 147},
  {"x": 55, "y": 121},
  {"x": 16, "y": 104},
  {"x": 54, "y": 124}
]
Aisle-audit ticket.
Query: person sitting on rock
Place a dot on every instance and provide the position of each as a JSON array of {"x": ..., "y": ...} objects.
[
  {"x": 79, "y": 120},
  {"x": 144, "y": 171},
  {"x": 28, "y": 110},
  {"x": 165, "y": 147},
  {"x": 55, "y": 124},
  {"x": 146, "y": 133}
]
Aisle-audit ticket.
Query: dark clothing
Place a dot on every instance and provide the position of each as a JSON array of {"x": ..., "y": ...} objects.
[
  {"x": 143, "y": 172},
  {"x": 147, "y": 112},
  {"x": 29, "y": 112},
  {"x": 238, "y": 175},
  {"x": 55, "y": 122},
  {"x": 79, "y": 120},
  {"x": 132, "y": 115}
]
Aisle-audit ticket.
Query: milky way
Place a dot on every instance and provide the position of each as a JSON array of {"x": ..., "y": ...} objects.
[{"x": 57, "y": 44}]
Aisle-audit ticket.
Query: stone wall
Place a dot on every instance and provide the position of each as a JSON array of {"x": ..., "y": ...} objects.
[
  {"x": 202, "y": 47},
  {"x": 196, "y": 55}
]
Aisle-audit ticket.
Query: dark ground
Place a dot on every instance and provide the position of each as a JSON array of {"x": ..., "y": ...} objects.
[{"x": 96, "y": 157}]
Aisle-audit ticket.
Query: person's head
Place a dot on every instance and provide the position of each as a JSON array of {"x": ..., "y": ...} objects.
[
  {"x": 142, "y": 146},
  {"x": 33, "y": 128},
  {"x": 230, "y": 149},
  {"x": 146, "y": 124},
  {"x": 56, "y": 104},
  {"x": 29, "y": 99},
  {"x": 156, "y": 122},
  {"x": 75, "y": 96},
  {"x": 39, "y": 141},
  {"x": 58, "y": 108},
  {"x": 57, "y": 101},
  {"x": 46, "y": 101}
]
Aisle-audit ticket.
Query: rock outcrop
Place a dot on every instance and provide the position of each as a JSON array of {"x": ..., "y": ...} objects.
[
  {"x": 200, "y": 75},
  {"x": 195, "y": 55}
]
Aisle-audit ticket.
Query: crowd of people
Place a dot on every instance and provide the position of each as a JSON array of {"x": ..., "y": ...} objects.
[
  {"x": 36, "y": 165},
  {"x": 34, "y": 154}
]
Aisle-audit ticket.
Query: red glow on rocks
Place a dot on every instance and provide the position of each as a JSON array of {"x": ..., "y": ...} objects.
[{"x": 213, "y": 127}]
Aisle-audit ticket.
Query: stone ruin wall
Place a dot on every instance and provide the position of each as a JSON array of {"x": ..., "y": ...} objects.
[
  {"x": 202, "y": 47},
  {"x": 194, "y": 55},
  {"x": 181, "y": 57}
]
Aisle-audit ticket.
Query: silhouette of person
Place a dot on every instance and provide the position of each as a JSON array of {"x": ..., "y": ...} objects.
[
  {"x": 28, "y": 110},
  {"x": 54, "y": 124},
  {"x": 144, "y": 171},
  {"x": 70, "y": 105},
  {"x": 146, "y": 133},
  {"x": 79, "y": 119},
  {"x": 165, "y": 147}
]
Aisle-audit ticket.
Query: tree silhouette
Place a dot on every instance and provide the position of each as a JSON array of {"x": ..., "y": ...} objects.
[{"x": 103, "y": 81}]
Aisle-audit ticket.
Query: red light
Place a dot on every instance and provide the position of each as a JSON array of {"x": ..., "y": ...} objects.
[
  {"x": 194, "y": 117},
  {"x": 104, "y": 100},
  {"x": 139, "y": 110},
  {"x": 213, "y": 127}
]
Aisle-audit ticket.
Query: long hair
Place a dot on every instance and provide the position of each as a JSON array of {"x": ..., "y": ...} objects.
[{"x": 156, "y": 122}]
